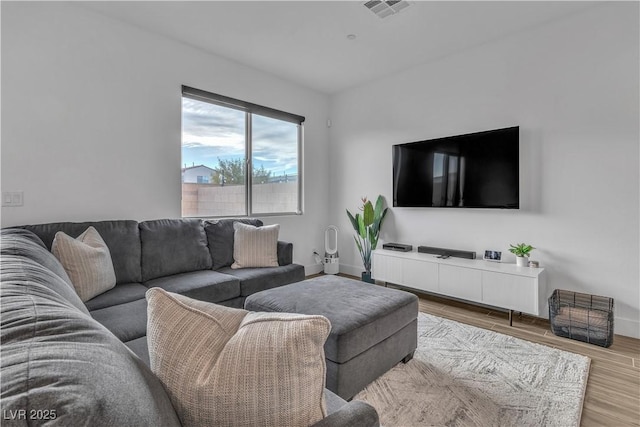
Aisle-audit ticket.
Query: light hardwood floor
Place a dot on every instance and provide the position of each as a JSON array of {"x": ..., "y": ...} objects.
[{"x": 613, "y": 388}]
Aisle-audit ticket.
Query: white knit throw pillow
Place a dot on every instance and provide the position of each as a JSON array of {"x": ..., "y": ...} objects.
[
  {"x": 224, "y": 366},
  {"x": 87, "y": 261},
  {"x": 255, "y": 246}
]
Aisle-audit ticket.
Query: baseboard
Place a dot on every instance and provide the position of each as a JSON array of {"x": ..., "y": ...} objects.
[
  {"x": 351, "y": 270},
  {"x": 313, "y": 269}
]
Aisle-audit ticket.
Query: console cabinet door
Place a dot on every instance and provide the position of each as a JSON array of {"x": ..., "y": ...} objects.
[
  {"x": 517, "y": 293},
  {"x": 460, "y": 282},
  {"x": 421, "y": 275},
  {"x": 387, "y": 268}
]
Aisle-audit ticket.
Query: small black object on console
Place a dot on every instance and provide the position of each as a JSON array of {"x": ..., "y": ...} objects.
[{"x": 397, "y": 247}]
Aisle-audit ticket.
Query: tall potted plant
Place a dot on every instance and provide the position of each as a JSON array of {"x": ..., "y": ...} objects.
[{"x": 367, "y": 226}]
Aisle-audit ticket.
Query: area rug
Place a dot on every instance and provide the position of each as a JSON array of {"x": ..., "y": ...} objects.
[{"x": 466, "y": 376}]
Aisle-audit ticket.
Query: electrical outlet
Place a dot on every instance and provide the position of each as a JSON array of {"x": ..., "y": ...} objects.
[
  {"x": 12, "y": 198},
  {"x": 317, "y": 256}
]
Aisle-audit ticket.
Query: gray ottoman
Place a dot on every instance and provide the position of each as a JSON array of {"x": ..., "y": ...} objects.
[{"x": 372, "y": 328}]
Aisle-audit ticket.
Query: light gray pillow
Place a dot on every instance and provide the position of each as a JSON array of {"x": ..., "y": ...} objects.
[
  {"x": 255, "y": 246},
  {"x": 87, "y": 261},
  {"x": 220, "y": 237},
  {"x": 225, "y": 366}
]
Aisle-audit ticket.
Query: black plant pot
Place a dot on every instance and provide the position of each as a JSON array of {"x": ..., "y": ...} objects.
[{"x": 366, "y": 277}]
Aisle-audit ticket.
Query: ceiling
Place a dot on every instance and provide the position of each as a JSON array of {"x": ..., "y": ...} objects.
[{"x": 306, "y": 41}]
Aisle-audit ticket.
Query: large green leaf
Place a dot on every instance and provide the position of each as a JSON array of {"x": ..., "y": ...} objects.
[
  {"x": 368, "y": 213},
  {"x": 373, "y": 238},
  {"x": 377, "y": 224},
  {"x": 354, "y": 222},
  {"x": 379, "y": 206},
  {"x": 362, "y": 229}
]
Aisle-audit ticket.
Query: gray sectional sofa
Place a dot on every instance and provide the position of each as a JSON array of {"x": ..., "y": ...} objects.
[
  {"x": 62, "y": 355},
  {"x": 186, "y": 256}
]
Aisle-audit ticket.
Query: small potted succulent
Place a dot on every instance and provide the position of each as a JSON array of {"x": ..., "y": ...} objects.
[
  {"x": 367, "y": 227},
  {"x": 521, "y": 251}
]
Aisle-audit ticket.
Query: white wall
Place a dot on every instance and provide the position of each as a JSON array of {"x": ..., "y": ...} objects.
[
  {"x": 572, "y": 87},
  {"x": 91, "y": 120},
  {"x": 90, "y": 105}
]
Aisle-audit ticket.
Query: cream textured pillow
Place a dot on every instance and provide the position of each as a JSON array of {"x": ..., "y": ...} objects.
[
  {"x": 255, "y": 246},
  {"x": 87, "y": 261},
  {"x": 224, "y": 366}
]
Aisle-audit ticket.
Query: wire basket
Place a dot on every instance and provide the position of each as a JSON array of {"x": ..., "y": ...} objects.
[{"x": 582, "y": 317}]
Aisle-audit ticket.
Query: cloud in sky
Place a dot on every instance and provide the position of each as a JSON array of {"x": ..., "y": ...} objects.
[
  {"x": 210, "y": 125},
  {"x": 210, "y": 132}
]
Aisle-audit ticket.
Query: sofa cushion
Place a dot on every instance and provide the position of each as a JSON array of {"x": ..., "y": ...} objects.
[
  {"x": 220, "y": 234},
  {"x": 126, "y": 321},
  {"x": 205, "y": 285},
  {"x": 16, "y": 241},
  {"x": 255, "y": 246},
  {"x": 42, "y": 267},
  {"x": 120, "y": 294},
  {"x": 254, "y": 280},
  {"x": 225, "y": 366},
  {"x": 285, "y": 253},
  {"x": 87, "y": 261},
  {"x": 122, "y": 239},
  {"x": 172, "y": 246},
  {"x": 56, "y": 358},
  {"x": 26, "y": 234},
  {"x": 140, "y": 348}
]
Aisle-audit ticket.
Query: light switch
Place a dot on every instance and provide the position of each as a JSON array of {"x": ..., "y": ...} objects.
[
  {"x": 12, "y": 198},
  {"x": 16, "y": 198}
]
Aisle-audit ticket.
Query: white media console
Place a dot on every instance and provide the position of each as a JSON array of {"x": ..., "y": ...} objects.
[{"x": 496, "y": 284}]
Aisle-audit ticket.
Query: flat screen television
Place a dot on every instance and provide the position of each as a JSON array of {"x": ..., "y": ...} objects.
[{"x": 476, "y": 170}]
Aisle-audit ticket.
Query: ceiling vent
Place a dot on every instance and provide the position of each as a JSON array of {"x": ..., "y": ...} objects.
[{"x": 384, "y": 9}]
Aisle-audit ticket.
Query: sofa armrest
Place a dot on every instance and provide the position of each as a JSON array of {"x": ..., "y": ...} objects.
[
  {"x": 285, "y": 253},
  {"x": 354, "y": 414}
]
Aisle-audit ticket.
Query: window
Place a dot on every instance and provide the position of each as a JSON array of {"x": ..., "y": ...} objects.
[{"x": 225, "y": 138}]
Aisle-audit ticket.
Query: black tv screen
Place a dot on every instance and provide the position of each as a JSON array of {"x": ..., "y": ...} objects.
[{"x": 476, "y": 170}]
